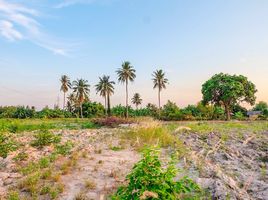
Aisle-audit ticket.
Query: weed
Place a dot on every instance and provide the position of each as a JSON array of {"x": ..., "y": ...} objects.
[
  {"x": 44, "y": 162},
  {"x": 13, "y": 195},
  {"x": 22, "y": 156},
  {"x": 45, "y": 190},
  {"x": 44, "y": 138},
  {"x": 116, "y": 148},
  {"x": 80, "y": 196},
  {"x": 64, "y": 149},
  {"x": 149, "y": 180},
  {"x": 89, "y": 184},
  {"x": 6, "y": 145}
]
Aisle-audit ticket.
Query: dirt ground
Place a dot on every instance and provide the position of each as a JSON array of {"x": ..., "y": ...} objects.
[{"x": 232, "y": 166}]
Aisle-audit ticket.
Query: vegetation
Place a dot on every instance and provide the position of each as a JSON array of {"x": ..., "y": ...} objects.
[
  {"x": 136, "y": 100},
  {"x": 126, "y": 74},
  {"x": 81, "y": 91},
  {"x": 106, "y": 89},
  {"x": 150, "y": 180},
  {"x": 228, "y": 90},
  {"x": 65, "y": 86},
  {"x": 160, "y": 82}
]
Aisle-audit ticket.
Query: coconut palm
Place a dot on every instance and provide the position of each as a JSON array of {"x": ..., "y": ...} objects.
[
  {"x": 126, "y": 74},
  {"x": 106, "y": 89},
  {"x": 160, "y": 82},
  {"x": 65, "y": 86},
  {"x": 136, "y": 99},
  {"x": 81, "y": 90},
  {"x": 71, "y": 102}
]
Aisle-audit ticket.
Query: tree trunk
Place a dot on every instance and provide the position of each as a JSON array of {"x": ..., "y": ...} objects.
[
  {"x": 126, "y": 99},
  {"x": 159, "y": 102},
  {"x": 81, "y": 110},
  {"x": 105, "y": 102},
  {"x": 228, "y": 112},
  {"x": 63, "y": 101},
  {"x": 109, "y": 105}
]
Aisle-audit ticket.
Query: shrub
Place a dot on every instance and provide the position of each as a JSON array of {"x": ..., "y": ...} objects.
[
  {"x": 44, "y": 138},
  {"x": 6, "y": 145},
  {"x": 149, "y": 180},
  {"x": 93, "y": 109}
]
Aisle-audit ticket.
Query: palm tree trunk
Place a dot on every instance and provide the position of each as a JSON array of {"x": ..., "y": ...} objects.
[
  {"x": 109, "y": 105},
  {"x": 81, "y": 110},
  {"x": 63, "y": 100},
  {"x": 159, "y": 102},
  {"x": 105, "y": 102},
  {"x": 126, "y": 99}
]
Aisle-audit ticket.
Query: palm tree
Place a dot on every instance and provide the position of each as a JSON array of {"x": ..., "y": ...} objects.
[
  {"x": 160, "y": 82},
  {"x": 136, "y": 99},
  {"x": 106, "y": 89},
  {"x": 65, "y": 86},
  {"x": 71, "y": 102},
  {"x": 81, "y": 90},
  {"x": 126, "y": 74}
]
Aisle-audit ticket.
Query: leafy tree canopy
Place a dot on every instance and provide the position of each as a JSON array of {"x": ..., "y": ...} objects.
[{"x": 228, "y": 90}]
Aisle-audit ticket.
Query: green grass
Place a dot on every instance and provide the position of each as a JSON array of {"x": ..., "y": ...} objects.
[{"x": 21, "y": 125}]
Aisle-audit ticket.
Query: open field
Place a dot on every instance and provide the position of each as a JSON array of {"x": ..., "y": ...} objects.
[{"x": 76, "y": 159}]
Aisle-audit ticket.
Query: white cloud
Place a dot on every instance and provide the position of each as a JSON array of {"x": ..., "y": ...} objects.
[
  {"x": 7, "y": 30},
  {"x": 18, "y": 22},
  {"x": 66, "y": 3}
]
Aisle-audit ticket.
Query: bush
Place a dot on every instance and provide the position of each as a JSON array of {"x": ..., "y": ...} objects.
[
  {"x": 6, "y": 145},
  {"x": 48, "y": 113},
  {"x": 149, "y": 180},
  {"x": 93, "y": 109},
  {"x": 44, "y": 138}
]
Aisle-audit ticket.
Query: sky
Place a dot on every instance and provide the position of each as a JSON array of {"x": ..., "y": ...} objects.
[{"x": 191, "y": 40}]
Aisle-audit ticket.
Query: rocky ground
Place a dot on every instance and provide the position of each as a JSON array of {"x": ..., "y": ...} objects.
[
  {"x": 232, "y": 166},
  {"x": 229, "y": 165}
]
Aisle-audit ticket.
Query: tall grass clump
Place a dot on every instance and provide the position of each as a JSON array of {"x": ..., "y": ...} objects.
[
  {"x": 154, "y": 134},
  {"x": 150, "y": 180}
]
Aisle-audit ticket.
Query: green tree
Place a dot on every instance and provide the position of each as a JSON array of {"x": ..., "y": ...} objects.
[
  {"x": 106, "y": 89},
  {"x": 81, "y": 90},
  {"x": 160, "y": 82},
  {"x": 65, "y": 86},
  {"x": 263, "y": 107},
  {"x": 136, "y": 100},
  {"x": 125, "y": 74},
  {"x": 228, "y": 90}
]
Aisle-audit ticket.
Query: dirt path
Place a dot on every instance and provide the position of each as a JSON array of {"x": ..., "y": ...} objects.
[{"x": 98, "y": 174}]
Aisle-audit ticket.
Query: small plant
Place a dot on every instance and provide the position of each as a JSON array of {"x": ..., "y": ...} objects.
[
  {"x": 149, "y": 180},
  {"x": 116, "y": 148},
  {"x": 64, "y": 149},
  {"x": 22, "y": 156},
  {"x": 89, "y": 184},
  {"x": 44, "y": 162},
  {"x": 6, "y": 145},
  {"x": 80, "y": 196},
  {"x": 44, "y": 138},
  {"x": 13, "y": 195}
]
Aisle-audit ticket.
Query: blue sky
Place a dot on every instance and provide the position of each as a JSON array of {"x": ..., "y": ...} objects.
[{"x": 191, "y": 40}]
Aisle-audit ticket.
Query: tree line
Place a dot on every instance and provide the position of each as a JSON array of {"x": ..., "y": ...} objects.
[{"x": 222, "y": 98}]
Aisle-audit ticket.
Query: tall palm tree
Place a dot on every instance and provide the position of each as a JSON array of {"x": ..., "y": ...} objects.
[
  {"x": 160, "y": 82},
  {"x": 125, "y": 74},
  {"x": 136, "y": 99},
  {"x": 65, "y": 86},
  {"x": 106, "y": 89},
  {"x": 81, "y": 90}
]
